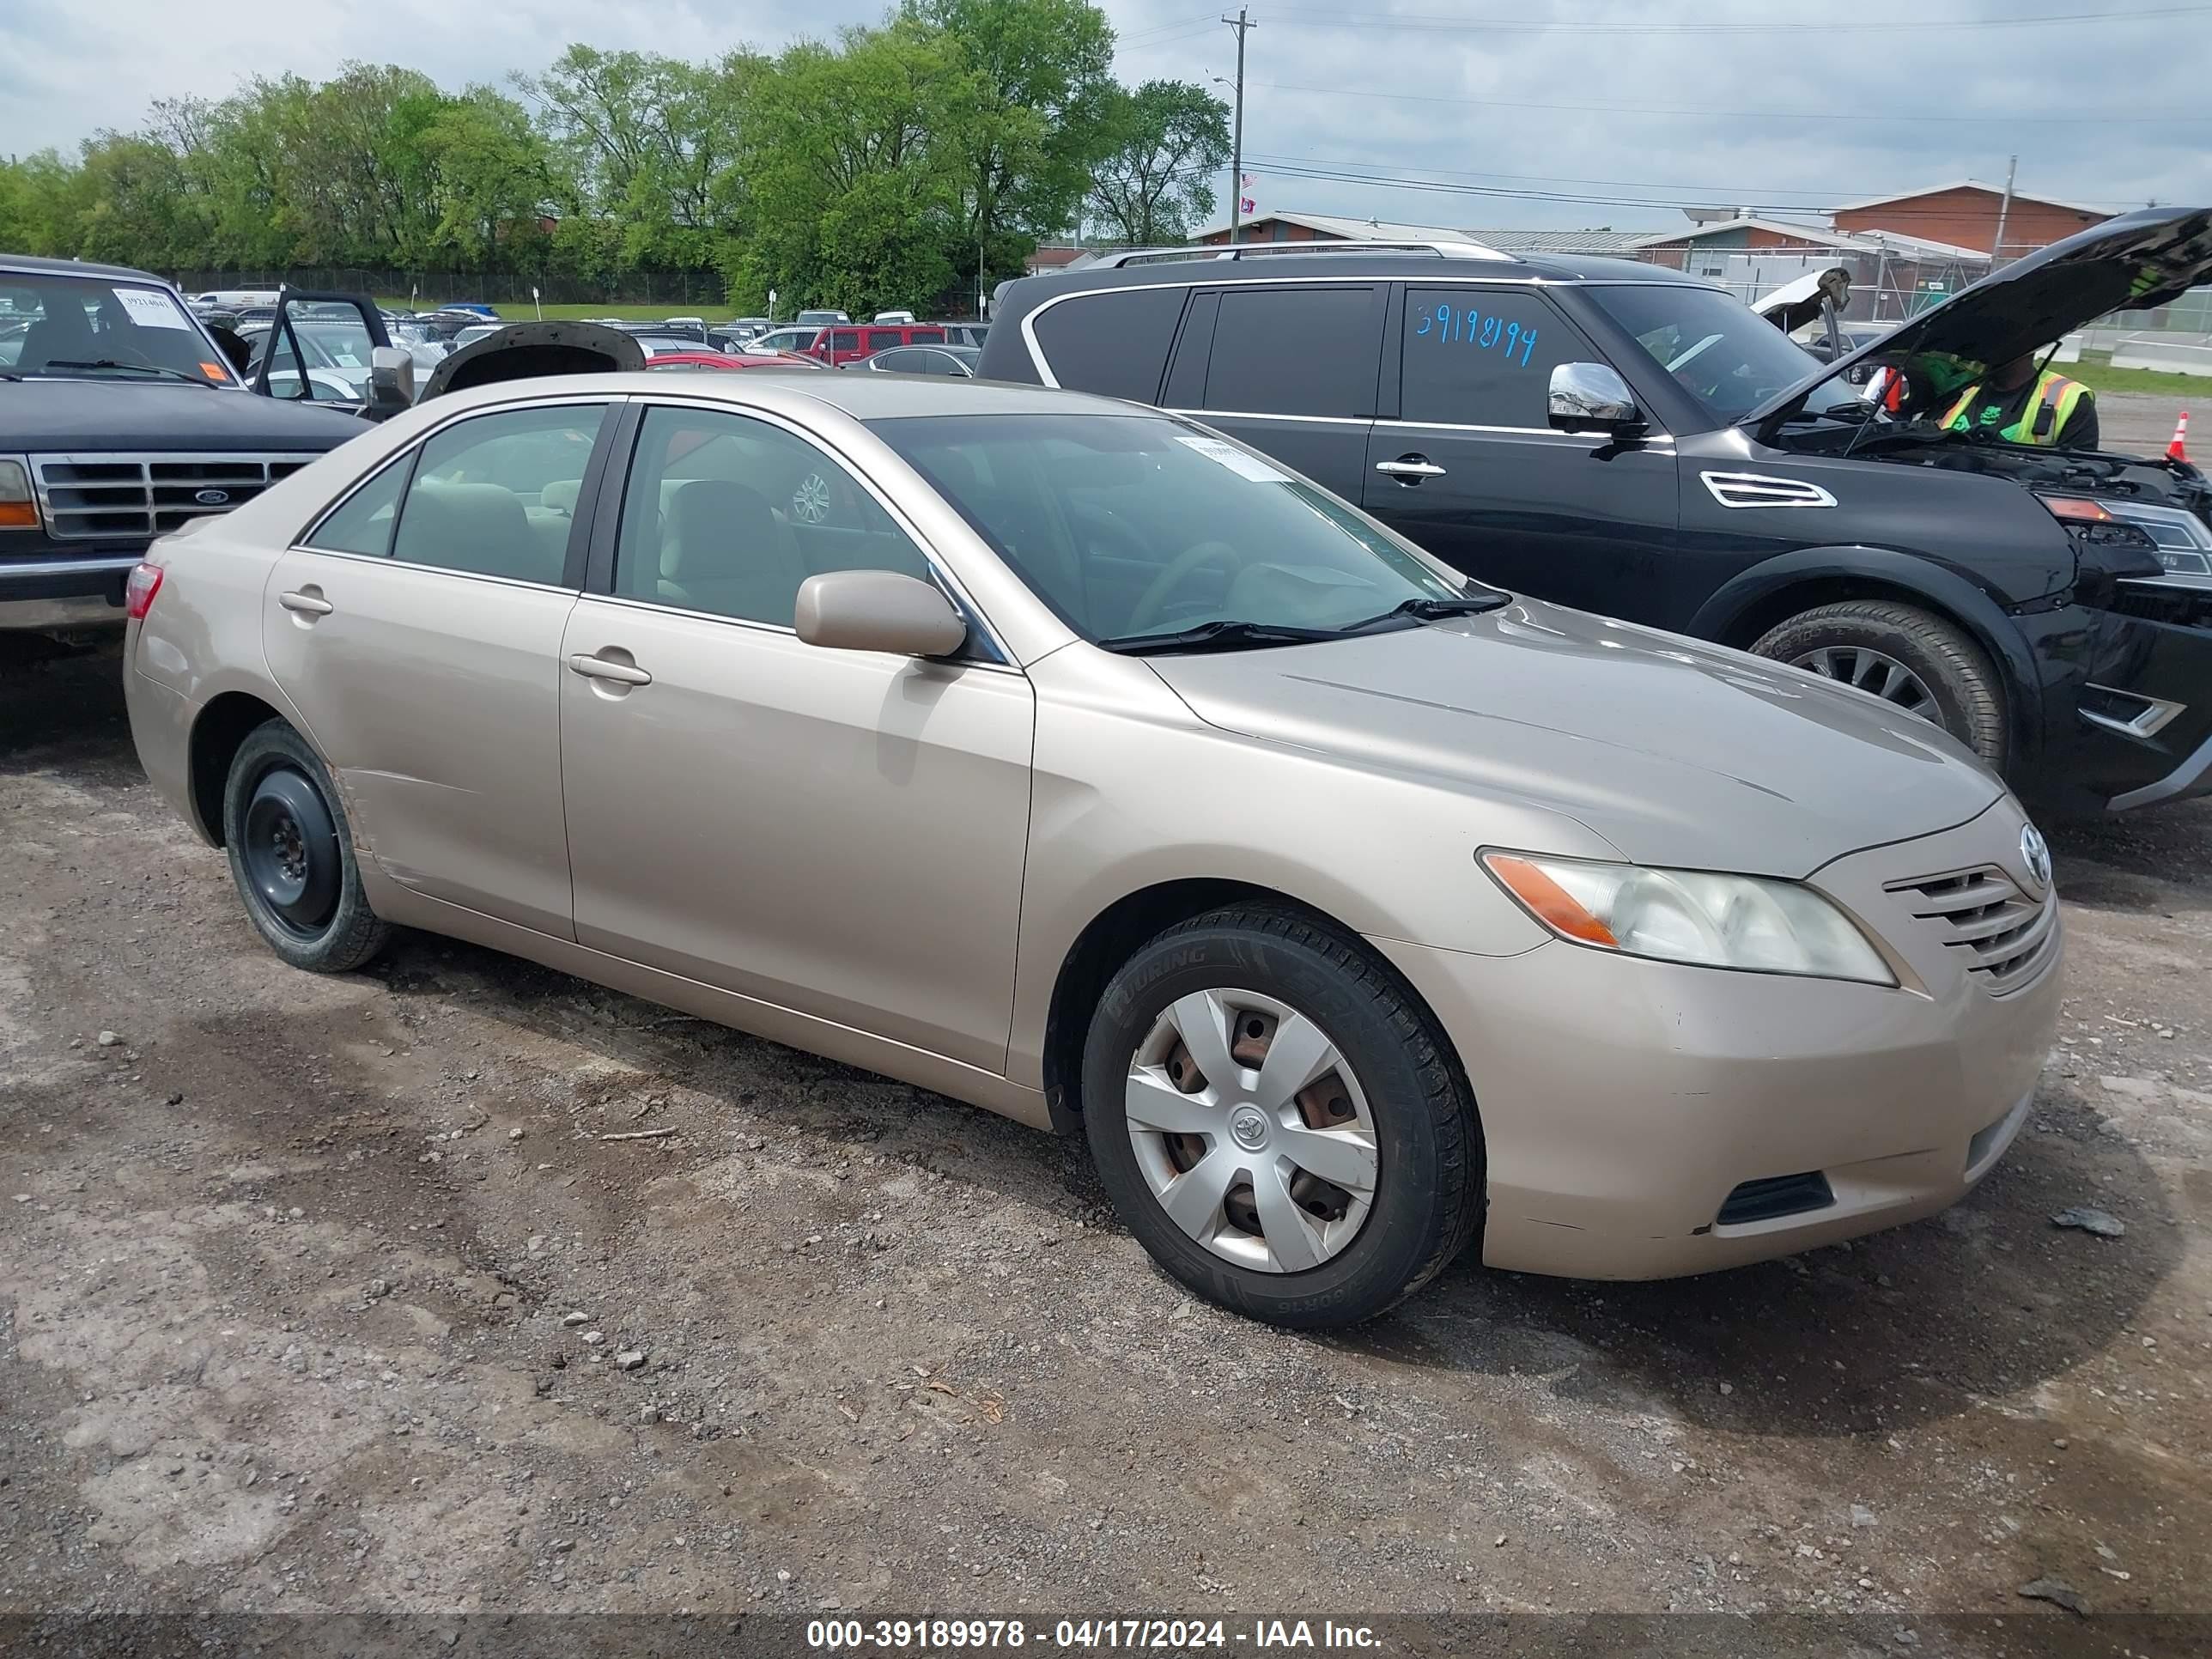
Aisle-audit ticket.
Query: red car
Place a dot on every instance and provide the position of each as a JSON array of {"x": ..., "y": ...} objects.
[{"x": 731, "y": 360}]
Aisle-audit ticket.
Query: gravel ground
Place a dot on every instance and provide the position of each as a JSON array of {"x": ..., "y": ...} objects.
[{"x": 329, "y": 1294}]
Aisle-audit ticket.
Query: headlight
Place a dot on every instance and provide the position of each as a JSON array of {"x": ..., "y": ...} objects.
[
  {"x": 1747, "y": 922},
  {"x": 19, "y": 507}
]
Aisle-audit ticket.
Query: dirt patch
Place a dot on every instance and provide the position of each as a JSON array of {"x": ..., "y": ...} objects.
[{"x": 329, "y": 1294}]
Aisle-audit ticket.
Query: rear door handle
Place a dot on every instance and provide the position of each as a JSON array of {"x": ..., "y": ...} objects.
[
  {"x": 1410, "y": 469},
  {"x": 306, "y": 604},
  {"x": 600, "y": 668}
]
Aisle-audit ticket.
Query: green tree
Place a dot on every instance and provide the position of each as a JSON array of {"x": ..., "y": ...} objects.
[
  {"x": 36, "y": 204},
  {"x": 1154, "y": 185}
]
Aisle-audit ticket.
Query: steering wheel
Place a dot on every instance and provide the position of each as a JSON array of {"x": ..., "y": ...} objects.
[{"x": 1148, "y": 608}]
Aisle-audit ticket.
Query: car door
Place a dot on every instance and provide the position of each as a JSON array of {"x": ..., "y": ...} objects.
[
  {"x": 1466, "y": 465},
  {"x": 417, "y": 629},
  {"x": 837, "y": 832},
  {"x": 1289, "y": 369}
]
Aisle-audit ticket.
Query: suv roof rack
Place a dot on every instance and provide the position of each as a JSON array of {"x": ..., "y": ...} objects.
[{"x": 1151, "y": 256}]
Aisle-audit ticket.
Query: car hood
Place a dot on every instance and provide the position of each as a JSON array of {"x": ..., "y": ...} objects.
[
  {"x": 2138, "y": 260},
  {"x": 1675, "y": 752},
  {"x": 61, "y": 416}
]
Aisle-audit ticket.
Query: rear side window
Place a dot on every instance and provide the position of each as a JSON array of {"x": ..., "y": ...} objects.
[
  {"x": 1295, "y": 352},
  {"x": 1114, "y": 343},
  {"x": 364, "y": 524},
  {"x": 1476, "y": 357},
  {"x": 848, "y": 339},
  {"x": 494, "y": 495},
  {"x": 883, "y": 339},
  {"x": 925, "y": 335}
]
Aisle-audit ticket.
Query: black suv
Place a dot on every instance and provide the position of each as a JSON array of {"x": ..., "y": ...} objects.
[{"x": 1622, "y": 438}]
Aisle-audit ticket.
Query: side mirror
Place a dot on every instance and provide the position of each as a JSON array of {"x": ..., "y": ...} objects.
[
  {"x": 877, "y": 610},
  {"x": 390, "y": 382},
  {"x": 1593, "y": 397}
]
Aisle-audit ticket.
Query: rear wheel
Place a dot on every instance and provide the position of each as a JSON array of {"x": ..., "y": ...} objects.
[
  {"x": 292, "y": 856},
  {"x": 1906, "y": 656},
  {"x": 1277, "y": 1122}
]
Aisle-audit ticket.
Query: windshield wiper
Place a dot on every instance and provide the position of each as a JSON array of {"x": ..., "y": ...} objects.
[
  {"x": 1430, "y": 609},
  {"x": 135, "y": 368},
  {"x": 1219, "y": 636}
]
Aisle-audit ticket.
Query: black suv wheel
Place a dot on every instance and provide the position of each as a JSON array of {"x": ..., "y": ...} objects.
[{"x": 1904, "y": 655}]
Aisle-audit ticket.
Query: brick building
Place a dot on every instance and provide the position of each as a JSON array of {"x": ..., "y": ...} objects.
[{"x": 1965, "y": 213}]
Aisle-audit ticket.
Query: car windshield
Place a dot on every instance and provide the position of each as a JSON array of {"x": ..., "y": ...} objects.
[
  {"x": 1720, "y": 351},
  {"x": 1135, "y": 527},
  {"x": 69, "y": 326}
]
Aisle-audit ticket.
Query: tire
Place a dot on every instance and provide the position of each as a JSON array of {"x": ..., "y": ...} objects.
[
  {"x": 280, "y": 815},
  {"x": 1403, "y": 1095},
  {"x": 1965, "y": 696}
]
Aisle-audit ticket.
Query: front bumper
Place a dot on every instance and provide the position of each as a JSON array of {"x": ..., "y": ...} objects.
[
  {"x": 2103, "y": 665},
  {"x": 1623, "y": 1102},
  {"x": 83, "y": 591}
]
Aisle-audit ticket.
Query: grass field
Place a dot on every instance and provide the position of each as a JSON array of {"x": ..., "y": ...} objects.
[{"x": 2096, "y": 372}]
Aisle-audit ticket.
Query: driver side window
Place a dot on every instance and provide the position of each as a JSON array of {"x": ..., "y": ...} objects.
[
  {"x": 1481, "y": 356},
  {"x": 729, "y": 515}
]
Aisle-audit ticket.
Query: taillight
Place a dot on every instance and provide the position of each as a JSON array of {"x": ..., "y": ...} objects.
[{"x": 138, "y": 592}]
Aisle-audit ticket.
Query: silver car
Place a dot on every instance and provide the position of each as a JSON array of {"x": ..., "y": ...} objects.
[{"x": 1069, "y": 759}]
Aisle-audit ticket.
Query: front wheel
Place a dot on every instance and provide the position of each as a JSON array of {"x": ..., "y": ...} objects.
[
  {"x": 1906, "y": 656},
  {"x": 1277, "y": 1122},
  {"x": 292, "y": 855}
]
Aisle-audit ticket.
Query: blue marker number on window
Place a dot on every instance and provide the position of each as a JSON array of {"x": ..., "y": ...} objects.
[{"x": 1468, "y": 326}]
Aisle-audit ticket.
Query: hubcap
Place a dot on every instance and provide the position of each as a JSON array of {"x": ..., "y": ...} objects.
[
  {"x": 1876, "y": 672},
  {"x": 1251, "y": 1130},
  {"x": 290, "y": 849}
]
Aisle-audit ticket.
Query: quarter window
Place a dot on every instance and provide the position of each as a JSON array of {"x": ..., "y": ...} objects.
[
  {"x": 729, "y": 515},
  {"x": 363, "y": 524},
  {"x": 1477, "y": 356},
  {"x": 1114, "y": 343},
  {"x": 1295, "y": 352},
  {"x": 494, "y": 496}
]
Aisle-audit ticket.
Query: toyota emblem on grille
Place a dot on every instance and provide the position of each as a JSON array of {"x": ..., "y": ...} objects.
[
  {"x": 2036, "y": 855},
  {"x": 213, "y": 498}
]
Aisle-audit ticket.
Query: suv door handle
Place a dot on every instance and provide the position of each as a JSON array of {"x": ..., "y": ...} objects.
[
  {"x": 601, "y": 668},
  {"x": 307, "y": 603},
  {"x": 1410, "y": 469}
]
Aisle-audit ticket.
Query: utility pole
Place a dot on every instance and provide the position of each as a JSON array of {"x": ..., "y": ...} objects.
[
  {"x": 2004, "y": 212},
  {"x": 1242, "y": 23}
]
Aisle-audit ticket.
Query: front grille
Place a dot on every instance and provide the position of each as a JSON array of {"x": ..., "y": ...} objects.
[
  {"x": 2182, "y": 604},
  {"x": 137, "y": 498},
  {"x": 1982, "y": 912},
  {"x": 1773, "y": 1196}
]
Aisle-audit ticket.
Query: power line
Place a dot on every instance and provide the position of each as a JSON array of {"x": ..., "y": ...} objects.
[
  {"x": 1314, "y": 17},
  {"x": 1857, "y": 116}
]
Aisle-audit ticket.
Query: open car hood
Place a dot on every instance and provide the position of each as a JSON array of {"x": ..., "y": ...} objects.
[
  {"x": 2137, "y": 260},
  {"x": 524, "y": 351},
  {"x": 1797, "y": 303}
]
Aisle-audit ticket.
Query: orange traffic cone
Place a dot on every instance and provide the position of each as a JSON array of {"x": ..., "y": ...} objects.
[{"x": 2178, "y": 449}]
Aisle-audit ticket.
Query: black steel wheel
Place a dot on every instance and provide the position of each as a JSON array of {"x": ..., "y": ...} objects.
[{"x": 292, "y": 855}]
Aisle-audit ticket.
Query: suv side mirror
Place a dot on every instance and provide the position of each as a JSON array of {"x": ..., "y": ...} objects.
[
  {"x": 1593, "y": 397},
  {"x": 877, "y": 610}
]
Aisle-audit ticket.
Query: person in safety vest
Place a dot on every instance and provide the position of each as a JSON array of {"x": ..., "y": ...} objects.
[{"x": 2014, "y": 403}]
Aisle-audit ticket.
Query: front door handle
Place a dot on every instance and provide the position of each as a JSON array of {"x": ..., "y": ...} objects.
[
  {"x": 1410, "y": 469},
  {"x": 307, "y": 603},
  {"x": 601, "y": 668}
]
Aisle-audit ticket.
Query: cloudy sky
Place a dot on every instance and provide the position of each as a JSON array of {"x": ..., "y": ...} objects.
[{"x": 1505, "y": 113}]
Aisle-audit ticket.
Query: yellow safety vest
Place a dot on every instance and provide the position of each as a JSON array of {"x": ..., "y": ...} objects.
[{"x": 2053, "y": 392}]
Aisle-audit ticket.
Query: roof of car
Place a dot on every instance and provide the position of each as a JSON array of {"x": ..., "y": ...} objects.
[
  {"x": 26, "y": 262},
  {"x": 863, "y": 397}
]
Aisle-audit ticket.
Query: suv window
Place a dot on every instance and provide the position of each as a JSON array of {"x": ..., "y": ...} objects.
[
  {"x": 1115, "y": 343},
  {"x": 492, "y": 495},
  {"x": 883, "y": 339},
  {"x": 846, "y": 339},
  {"x": 1482, "y": 356},
  {"x": 1295, "y": 351},
  {"x": 364, "y": 524},
  {"x": 728, "y": 515}
]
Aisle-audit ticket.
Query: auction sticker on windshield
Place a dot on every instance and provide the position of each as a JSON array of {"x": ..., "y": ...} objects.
[
  {"x": 151, "y": 308},
  {"x": 1228, "y": 455}
]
